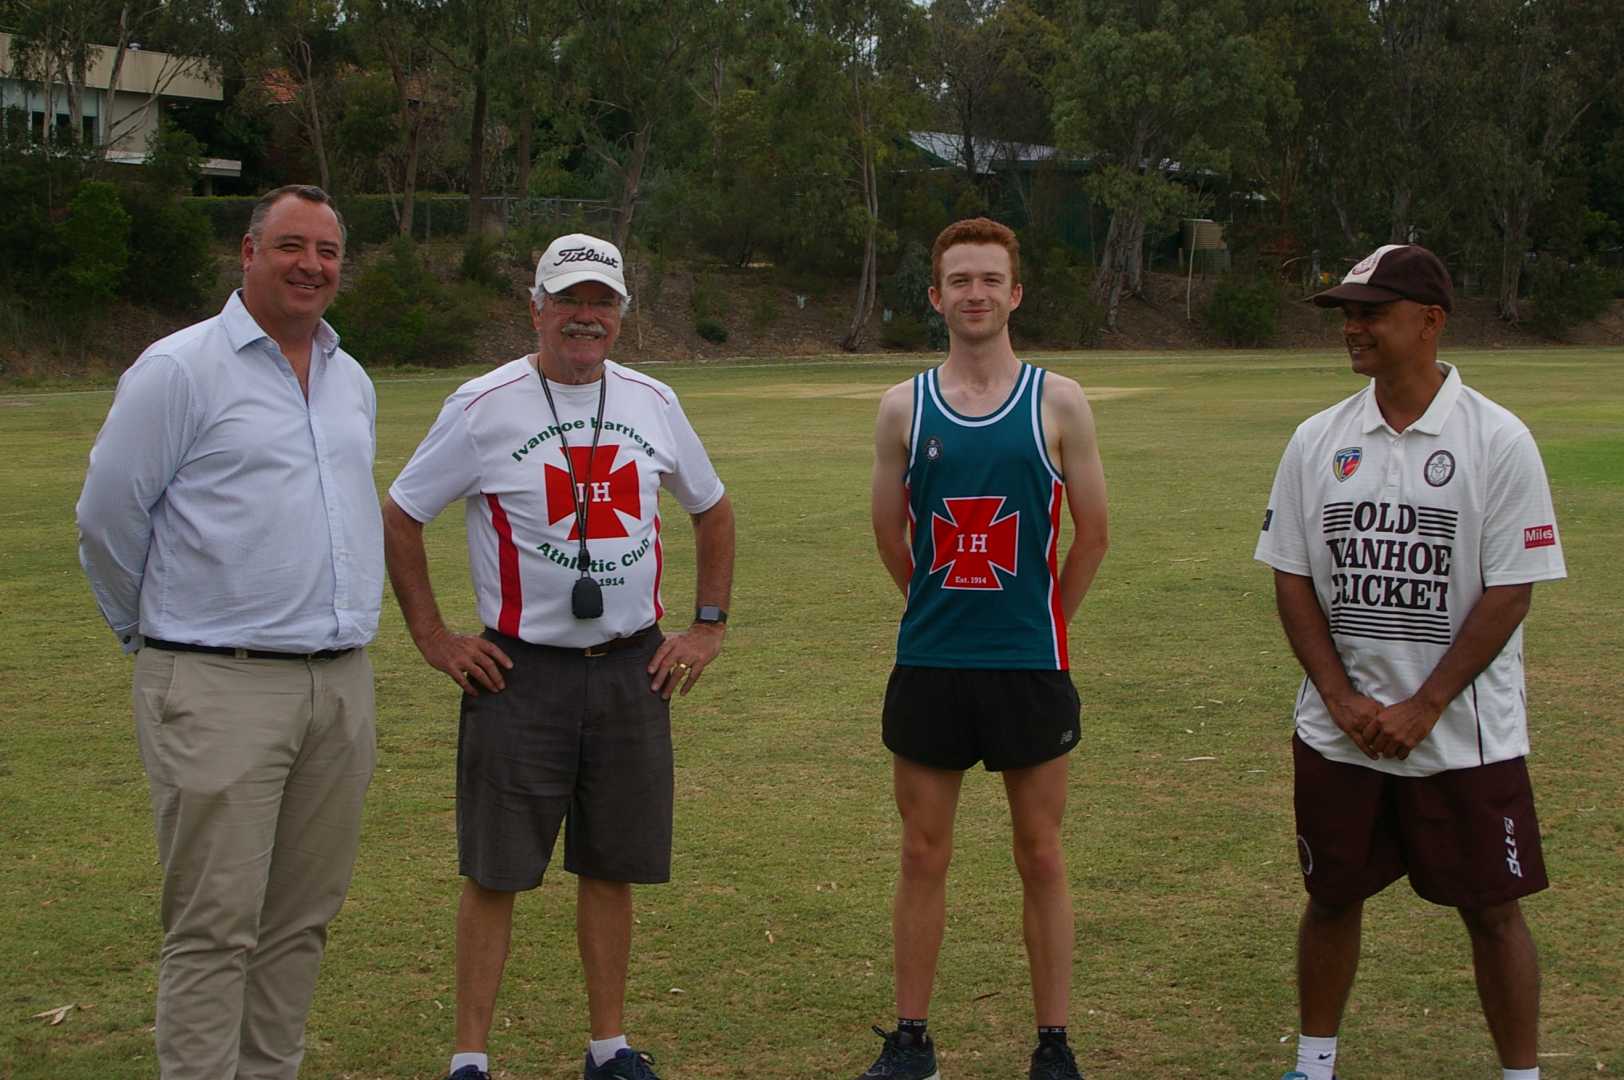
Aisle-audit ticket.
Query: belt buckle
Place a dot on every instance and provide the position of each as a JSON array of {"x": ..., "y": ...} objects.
[{"x": 594, "y": 650}]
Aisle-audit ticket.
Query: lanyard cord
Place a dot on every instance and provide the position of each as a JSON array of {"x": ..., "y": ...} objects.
[{"x": 578, "y": 493}]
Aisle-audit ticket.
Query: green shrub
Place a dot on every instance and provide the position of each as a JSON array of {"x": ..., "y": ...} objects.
[
  {"x": 397, "y": 312},
  {"x": 1564, "y": 295},
  {"x": 171, "y": 265},
  {"x": 764, "y": 311},
  {"x": 705, "y": 301},
  {"x": 711, "y": 330},
  {"x": 1056, "y": 308},
  {"x": 1243, "y": 310},
  {"x": 907, "y": 293},
  {"x": 904, "y": 332},
  {"x": 482, "y": 263},
  {"x": 96, "y": 235}
]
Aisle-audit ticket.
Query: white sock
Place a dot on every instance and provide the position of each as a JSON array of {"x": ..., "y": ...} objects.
[
  {"x": 478, "y": 1061},
  {"x": 1520, "y": 1074},
  {"x": 1316, "y": 1057},
  {"x": 604, "y": 1049}
]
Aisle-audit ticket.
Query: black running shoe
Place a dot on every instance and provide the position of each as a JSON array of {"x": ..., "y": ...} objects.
[
  {"x": 904, "y": 1058},
  {"x": 1053, "y": 1061}
]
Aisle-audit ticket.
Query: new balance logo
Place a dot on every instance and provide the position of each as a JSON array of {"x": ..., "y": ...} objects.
[{"x": 1065, "y": 737}]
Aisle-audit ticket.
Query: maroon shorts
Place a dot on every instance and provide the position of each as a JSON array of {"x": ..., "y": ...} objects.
[{"x": 1466, "y": 837}]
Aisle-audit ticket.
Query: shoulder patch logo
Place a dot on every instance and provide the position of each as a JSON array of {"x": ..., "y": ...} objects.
[
  {"x": 1440, "y": 468},
  {"x": 974, "y": 543},
  {"x": 1538, "y": 536},
  {"x": 1346, "y": 462}
]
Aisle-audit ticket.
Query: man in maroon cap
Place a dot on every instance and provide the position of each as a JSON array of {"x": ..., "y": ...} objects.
[{"x": 1406, "y": 529}]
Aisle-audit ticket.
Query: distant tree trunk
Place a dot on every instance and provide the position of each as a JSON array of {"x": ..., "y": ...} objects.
[
  {"x": 521, "y": 148},
  {"x": 1398, "y": 231},
  {"x": 868, "y": 279},
  {"x": 1513, "y": 242},
  {"x": 312, "y": 107},
  {"x": 1120, "y": 264},
  {"x": 476, "y": 134},
  {"x": 633, "y": 179},
  {"x": 408, "y": 186}
]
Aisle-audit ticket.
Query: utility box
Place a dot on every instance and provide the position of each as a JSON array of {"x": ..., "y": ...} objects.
[{"x": 1202, "y": 242}]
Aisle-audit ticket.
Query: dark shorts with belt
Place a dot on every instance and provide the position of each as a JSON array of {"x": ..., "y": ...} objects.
[
  {"x": 1467, "y": 838},
  {"x": 572, "y": 740},
  {"x": 951, "y": 718}
]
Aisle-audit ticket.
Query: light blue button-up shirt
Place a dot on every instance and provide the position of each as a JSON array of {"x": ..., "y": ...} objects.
[{"x": 223, "y": 508}]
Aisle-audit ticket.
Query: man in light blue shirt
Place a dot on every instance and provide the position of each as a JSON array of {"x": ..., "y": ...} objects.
[{"x": 230, "y": 529}]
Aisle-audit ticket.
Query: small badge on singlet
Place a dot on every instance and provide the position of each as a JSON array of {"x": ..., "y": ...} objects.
[{"x": 933, "y": 449}]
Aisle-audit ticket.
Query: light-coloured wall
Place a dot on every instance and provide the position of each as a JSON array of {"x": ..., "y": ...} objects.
[{"x": 127, "y": 115}]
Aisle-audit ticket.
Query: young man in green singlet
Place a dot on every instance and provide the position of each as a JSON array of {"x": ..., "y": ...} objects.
[{"x": 973, "y": 461}]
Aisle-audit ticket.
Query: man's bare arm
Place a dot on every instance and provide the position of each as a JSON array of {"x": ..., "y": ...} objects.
[
  {"x": 714, "y": 542},
  {"x": 1067, "y": 415},
  {"x": 1489, "y": 625},
  {"x": 1309, "y": 635},
  {"x": 889, "y": 495},
  {"x": 467, "y": 658}
]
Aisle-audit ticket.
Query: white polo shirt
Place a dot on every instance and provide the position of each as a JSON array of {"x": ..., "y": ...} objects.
[
  {"x": 496, "y": 446},
  {"x": 1401, "y": 532}
]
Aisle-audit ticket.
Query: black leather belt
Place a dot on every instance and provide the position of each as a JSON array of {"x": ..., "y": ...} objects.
[
  {"x": 603, "y": 648},
  {"x": 246, "y": 654}
]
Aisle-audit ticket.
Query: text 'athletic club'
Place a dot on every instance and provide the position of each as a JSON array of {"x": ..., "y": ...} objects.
[
  {"x": 615, "y": 490},
  {"x": 972, "y": 540}
]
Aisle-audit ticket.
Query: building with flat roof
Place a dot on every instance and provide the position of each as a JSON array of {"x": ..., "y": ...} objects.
[{"x": 120, "y": 118}]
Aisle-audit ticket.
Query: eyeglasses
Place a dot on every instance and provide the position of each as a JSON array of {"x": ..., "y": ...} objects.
[{"x": 575, "y": 304}]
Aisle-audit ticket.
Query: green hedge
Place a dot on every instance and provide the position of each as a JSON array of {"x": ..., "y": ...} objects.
[{"x": 369, "y": 218}]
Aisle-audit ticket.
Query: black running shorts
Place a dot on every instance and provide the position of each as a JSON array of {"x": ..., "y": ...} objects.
[{"x": 951, "y": 718}]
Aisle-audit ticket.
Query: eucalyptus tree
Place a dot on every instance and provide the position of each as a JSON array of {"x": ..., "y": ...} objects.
[{"x": 1149, "y": 90}]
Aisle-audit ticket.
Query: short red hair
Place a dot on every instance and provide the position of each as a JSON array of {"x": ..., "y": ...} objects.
[{"x": 976, "y": 231}]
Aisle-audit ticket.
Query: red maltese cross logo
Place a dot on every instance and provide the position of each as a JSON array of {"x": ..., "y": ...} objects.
[
  {"x": 972, "y": 539},
  {"x": 609, "y": 495}
]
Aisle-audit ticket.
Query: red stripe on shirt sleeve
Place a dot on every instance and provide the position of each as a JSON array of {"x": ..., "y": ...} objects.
[
  {"x": 507, "y": 559},
  {"x": 1057, "y": 616}
]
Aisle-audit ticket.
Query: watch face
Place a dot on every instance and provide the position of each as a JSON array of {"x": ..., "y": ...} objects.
[{"x": 710, "y": 613}]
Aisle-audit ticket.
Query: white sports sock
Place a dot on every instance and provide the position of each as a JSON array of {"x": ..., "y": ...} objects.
[
  {"x": 1316, "y": 1057},
  {"x": 1520, "y": 1074},
  {"x": 604, "y": 1049},
  {"x": 478, "y": 1061}
]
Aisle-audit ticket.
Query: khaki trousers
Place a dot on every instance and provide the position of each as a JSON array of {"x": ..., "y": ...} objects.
[{"x": 257, "y": 770}]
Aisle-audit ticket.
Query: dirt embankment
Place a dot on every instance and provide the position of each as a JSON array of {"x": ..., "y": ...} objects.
[{"x": 765, "y": 318}]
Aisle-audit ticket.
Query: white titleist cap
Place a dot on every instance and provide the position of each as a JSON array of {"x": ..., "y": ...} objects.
[{"x": 575, "y": 258}]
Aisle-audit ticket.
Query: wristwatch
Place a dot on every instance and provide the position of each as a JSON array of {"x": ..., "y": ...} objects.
[{"x": 709, "y": 613}]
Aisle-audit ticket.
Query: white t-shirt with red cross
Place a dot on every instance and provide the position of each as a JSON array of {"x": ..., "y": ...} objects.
[
  {"x": 497, "y": 446},
  {"x": 1401, "y": 532}
]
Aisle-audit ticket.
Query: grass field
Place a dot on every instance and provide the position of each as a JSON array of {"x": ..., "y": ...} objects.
[{"x": 768, "y": 955}]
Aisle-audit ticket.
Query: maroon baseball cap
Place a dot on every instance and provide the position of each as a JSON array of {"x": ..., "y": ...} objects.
[{"x": 1394, "y": 272}]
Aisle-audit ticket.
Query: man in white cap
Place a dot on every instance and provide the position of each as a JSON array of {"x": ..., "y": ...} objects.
[
  {"x": 559, "y": 457},
  {"x": 1406, "y": 529}
]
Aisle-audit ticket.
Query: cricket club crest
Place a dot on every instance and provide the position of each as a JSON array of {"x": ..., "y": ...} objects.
[
  {"x": 972, "y": 542},
  {"x": 1346, "y": 462},
  {"x": 1440, "y": 468}
]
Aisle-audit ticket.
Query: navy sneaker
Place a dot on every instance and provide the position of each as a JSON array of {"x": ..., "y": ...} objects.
[
  {"x": 627, "y": 1064},
  {"x": 904, "y": 1058},
  {"x": 1053, "y": 1061},
  {"x": 469, "y": 1072}
]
